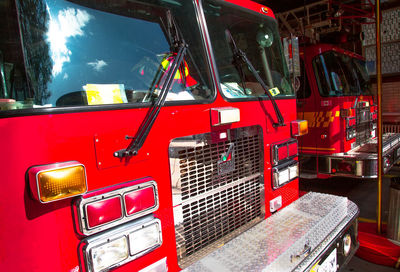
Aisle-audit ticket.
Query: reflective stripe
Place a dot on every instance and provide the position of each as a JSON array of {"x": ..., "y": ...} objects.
[
  {"x": 166, "y": 63},
  {"x": 317, "y": 148},
  {"x": 319, "y": 119}
]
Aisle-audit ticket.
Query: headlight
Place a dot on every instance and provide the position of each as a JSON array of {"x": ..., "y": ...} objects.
[
  {"x": 109, "y": 254},
  {"x": 282, "y": 174},
  {"x": 120, "y": 245},
  {"x": 346, "y": 244},
  {"x": 294, "y": 171},
  {"x": 145, "y": 238},
  {"x": 351, "y": 133}
]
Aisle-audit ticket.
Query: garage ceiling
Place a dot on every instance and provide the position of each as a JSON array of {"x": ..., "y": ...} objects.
[{"x": 285, "y": 5}]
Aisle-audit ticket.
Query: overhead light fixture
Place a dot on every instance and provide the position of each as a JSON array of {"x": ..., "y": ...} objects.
[{"x": 338, "y": 13}]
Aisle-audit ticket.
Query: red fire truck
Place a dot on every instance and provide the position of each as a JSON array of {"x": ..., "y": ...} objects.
[
  {"x": 336, "y": 99},
  {"x": 155, "y": 135}
]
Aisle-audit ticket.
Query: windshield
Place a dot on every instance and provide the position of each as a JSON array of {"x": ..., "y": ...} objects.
[
  {"x": 96, "y": 53},
  {"x": 340, "y": 75},
  {"x": 257, "y": 36}
]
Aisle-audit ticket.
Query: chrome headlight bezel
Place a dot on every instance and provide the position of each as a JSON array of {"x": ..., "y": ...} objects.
[
  {"x": 285, "y": 173},
  {"x": 124, "y": 234}
]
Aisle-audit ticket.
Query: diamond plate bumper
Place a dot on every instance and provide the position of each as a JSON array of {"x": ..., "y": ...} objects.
[
  {"x": 293, "y": 239},
  {"x": 360, "y": 162}
]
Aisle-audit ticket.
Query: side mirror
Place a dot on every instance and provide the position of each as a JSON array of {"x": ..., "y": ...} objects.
[
  {"x": 265, "y": 37},
  {"x": 337, "y": 83},
  {"x": 4, "y": 91}
]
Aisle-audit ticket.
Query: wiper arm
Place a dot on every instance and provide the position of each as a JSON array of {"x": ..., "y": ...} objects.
[
  {"x": 180, "y": 46},
  {"x": 141, "y": 135},
  {"x": 240, "y": 57}
]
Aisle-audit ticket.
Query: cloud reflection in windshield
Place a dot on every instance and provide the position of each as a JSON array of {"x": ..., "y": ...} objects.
[
  {"x": 67, "y": 24},
  {"x": 97, "y": 65}
]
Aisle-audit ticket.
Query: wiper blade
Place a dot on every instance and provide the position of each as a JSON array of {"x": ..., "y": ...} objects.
[
  {"x": 179, "y": 47},
  {"x": 240, "y": 57}
]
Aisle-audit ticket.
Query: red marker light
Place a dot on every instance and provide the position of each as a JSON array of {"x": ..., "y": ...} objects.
[
  {"x": 139, "y": 200},
  {"x": 282, "y": 152},
  {"x": 293, "y": 150},
  {"x": 112, "y": 206},
  {"x": 103, "y": 211}
]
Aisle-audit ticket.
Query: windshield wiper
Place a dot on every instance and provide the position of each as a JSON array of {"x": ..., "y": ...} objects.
[
  {"x": 240, "y": 57},
  {"x": 179, "y": 47}
]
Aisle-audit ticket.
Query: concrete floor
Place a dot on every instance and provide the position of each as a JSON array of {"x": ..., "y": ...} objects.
[{"x": 364, "y": 194}]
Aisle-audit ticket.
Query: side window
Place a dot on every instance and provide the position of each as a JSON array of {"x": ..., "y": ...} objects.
[
  {"x": 304, "y": 90},
  {"x": 258, "y": 38},
  {"x": 13, "y": 77},
  {"x": 322, "y": 76}
]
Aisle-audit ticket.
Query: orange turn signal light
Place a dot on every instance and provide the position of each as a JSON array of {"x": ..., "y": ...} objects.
[
  {"x": 346, "y": 112},
  {"x": 299, "y": 127},
  {"x": 57, "y": 181}
]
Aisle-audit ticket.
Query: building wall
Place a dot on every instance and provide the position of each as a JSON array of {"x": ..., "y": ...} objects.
[{"x": 390, "y": 99}]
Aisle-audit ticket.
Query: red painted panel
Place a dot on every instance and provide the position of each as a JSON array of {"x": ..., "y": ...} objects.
[
  {"x": 65, "y": 137},
  {"x": 91, "y": 138},
  {"x": 103, "y": 211}
]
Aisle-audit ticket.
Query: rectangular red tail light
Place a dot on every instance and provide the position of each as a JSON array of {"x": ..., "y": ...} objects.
[
  {"x": 282, "y": 152},
  {"x": 103, "y": 211},
  {"x": 350, "y": 122},
  {"x": 293, "y": 149},
  {"x": 139, "y": 200}
]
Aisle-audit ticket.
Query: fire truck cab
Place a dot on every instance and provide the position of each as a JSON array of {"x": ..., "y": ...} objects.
[
  {"x": 155, "y": 135},
  {"x": 336, "y": 99}
]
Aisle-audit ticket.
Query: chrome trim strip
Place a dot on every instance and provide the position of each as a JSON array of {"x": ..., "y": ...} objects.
[
  {"x": 275, "y": 148},
  {"x": 81, "y": 205},
  {"x": 208, "y": 48}
]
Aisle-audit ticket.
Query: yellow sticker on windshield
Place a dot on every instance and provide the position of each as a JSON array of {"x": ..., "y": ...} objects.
[
  {"x": 274, "y": 91},
  {"x": 99, "y": 94}
]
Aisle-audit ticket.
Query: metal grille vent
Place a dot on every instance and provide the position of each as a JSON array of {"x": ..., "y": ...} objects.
[
  {"x": 198, "y": 166},
  {"x": 220, "y": 214},
  {"x": 210, "y": 208}
]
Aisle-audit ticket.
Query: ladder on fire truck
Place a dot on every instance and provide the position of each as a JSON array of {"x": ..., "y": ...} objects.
[{"x": 323, "y": 17}]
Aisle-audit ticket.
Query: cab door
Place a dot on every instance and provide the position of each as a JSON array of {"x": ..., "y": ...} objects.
[{"x": 307, "y": 110}]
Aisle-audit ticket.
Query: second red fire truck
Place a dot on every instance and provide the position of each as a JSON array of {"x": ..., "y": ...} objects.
[
  {"x": 155, "y": 135},
  {"x": 337, "y": 99}
]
